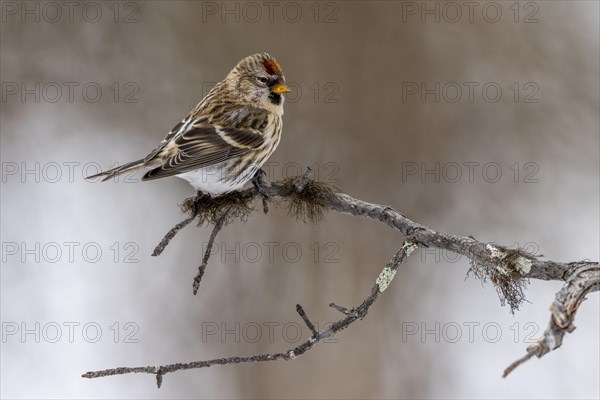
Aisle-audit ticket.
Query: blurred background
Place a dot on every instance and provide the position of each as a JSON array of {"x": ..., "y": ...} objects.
[{"x": 478, "y": 119}]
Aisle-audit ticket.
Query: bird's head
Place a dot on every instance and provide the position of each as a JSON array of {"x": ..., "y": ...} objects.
[{"x": 258, "y": 79}]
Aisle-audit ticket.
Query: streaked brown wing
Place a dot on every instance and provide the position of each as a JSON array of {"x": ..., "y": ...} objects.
[{"x": 202, "y": 145}]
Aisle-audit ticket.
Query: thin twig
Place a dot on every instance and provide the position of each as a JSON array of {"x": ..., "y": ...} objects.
[
  {"x": 304, "y": 180},
  {"x": 516, "y": 363},
  {"x": 341, "y": 309},
  {"x": 217, "y": 228},
  {"x": 362, "y": 310},
  {"x": 306, "y": 320},
  {"x": 580, "y": 282},
  {"x": 172, "y": 232}
]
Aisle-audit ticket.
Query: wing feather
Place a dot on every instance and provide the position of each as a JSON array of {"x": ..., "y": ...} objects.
[{"x": 199, "y": 143}]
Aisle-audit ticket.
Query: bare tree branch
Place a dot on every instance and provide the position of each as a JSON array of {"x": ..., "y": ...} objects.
[
  {"x": 360, "y": 312},
  {"x": 173, "y": 231},
  {"x": 211, "y": 241},
  {"x": 508, "y": 269},
  {"x": 307, "y": 321},
  {"x": 580, "y": 281}
]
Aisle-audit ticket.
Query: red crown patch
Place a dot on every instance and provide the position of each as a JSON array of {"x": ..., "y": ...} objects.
[{"x": 272, "y": 67}]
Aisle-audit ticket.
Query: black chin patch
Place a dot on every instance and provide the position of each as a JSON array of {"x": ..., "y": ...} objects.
[{"x": 275, "y": 98}]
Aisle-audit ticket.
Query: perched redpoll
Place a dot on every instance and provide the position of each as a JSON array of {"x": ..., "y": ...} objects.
[{"x": 228, "y": 136}]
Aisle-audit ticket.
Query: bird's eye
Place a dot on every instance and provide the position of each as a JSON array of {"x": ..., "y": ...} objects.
[{"x": 263, "y": 79}]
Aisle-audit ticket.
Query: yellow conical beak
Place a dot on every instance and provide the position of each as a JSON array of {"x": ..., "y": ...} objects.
[{"x": 280, "y": 88}]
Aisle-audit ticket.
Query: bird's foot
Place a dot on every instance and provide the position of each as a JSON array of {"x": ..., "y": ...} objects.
[{"x": 261, "y": 184}]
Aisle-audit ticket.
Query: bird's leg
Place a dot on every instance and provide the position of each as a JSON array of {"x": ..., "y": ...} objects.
[{"x": 261, "y": 184}]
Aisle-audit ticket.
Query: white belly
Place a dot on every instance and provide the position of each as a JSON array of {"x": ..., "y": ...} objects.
[{"x": 218, "y": 179}]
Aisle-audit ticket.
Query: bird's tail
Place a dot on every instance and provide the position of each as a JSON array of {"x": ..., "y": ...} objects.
[{"x": 119, "y": 170}]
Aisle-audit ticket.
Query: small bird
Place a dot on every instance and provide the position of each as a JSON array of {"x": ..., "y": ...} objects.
[{"x": 227, "y": 137}]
